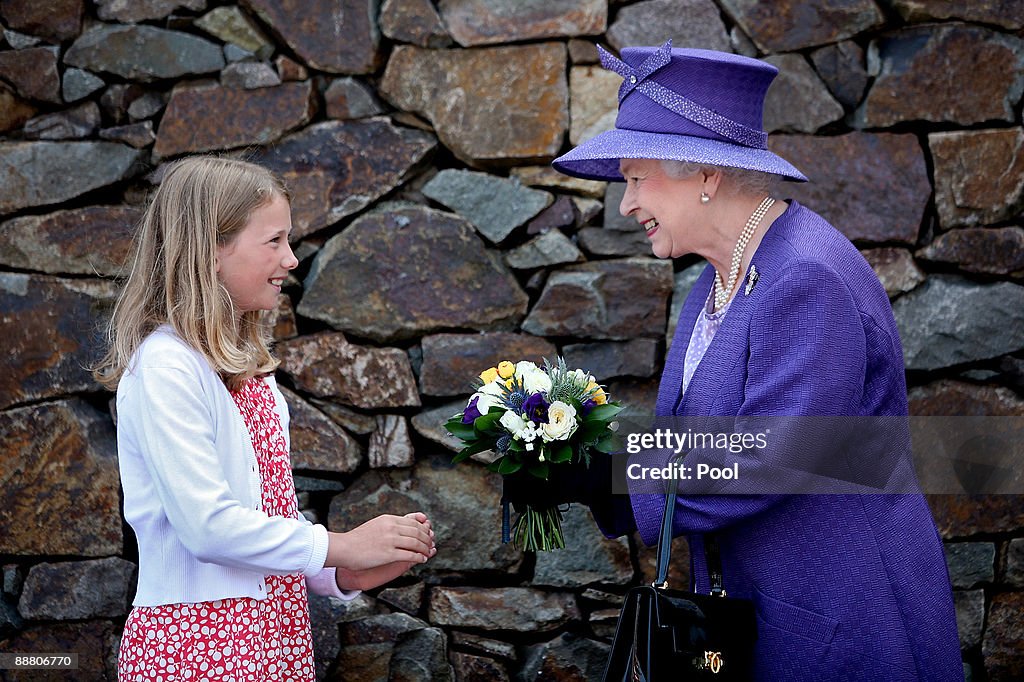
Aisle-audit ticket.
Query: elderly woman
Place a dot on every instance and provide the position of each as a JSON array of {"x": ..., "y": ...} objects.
[{"x": 787, "y": 320}]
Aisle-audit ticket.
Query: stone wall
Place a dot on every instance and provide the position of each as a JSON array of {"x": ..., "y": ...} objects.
[{"x": 434, "y": 238}]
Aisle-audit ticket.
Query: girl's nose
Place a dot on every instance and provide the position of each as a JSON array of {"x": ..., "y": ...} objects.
[{"x": 290, "y": 261}]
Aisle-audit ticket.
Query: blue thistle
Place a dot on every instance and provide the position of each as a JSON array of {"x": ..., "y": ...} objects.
[
  {"x": 503, "y": 443},
  {"x": 515, "y": 400}
]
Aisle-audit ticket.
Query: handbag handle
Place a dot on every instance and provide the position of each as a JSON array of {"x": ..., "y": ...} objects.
[{"x": 711, "y": 554}]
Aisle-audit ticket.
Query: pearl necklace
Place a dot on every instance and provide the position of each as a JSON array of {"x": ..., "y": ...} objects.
[{"x": 722, "y": 291}]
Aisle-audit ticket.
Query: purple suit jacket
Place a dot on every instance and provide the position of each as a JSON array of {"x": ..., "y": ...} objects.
[{"x": 847, "y": 587}]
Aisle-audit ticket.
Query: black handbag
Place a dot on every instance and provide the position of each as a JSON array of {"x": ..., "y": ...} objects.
[{"x": 665, "y": 634}]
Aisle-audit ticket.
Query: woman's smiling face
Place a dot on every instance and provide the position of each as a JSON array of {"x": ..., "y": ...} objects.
[{"x": 666, "y": 207}]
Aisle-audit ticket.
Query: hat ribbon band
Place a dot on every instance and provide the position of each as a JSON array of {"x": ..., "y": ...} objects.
[{"x": 673, "y": 101}]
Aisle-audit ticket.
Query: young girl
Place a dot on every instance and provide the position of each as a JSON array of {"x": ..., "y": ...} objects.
[{"x": 225, "y": 557}]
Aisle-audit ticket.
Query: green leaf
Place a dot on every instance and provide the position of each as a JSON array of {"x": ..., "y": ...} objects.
[
  {"x": 473, "y": 448},
  {"x": 562, "y": 454},
  {"x": 486, "y": 422},
  {"x": 460, "y": 430},
  {"x": 540, "y": 470},
  {"x": 507, "y": 466},
  {"x": 591, "y": 431},
  {"x": 604, "y": 412},
  {"x": 609, "y": 444}
]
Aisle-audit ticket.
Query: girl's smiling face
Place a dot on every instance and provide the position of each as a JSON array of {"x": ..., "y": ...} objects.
[
  {"x": 253, "y": 265},
  {"x": 665, "y": 207}
]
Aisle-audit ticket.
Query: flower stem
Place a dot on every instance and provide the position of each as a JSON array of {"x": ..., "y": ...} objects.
[{"x": 538, "y": 530}]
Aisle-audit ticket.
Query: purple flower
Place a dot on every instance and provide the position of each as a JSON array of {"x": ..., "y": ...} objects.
[
  {"x": 471, "y": 412},
  {"x": 587, "y": 406},
  {"x": 536, "y": 409}
]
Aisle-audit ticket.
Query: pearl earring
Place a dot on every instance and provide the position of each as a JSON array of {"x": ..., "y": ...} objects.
[{"x": 704, "y": 198}]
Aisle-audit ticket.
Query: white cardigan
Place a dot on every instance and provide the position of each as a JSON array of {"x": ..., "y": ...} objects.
[{"x": 192, "y": 486}]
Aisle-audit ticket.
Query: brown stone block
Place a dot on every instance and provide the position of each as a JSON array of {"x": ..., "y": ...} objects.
[
  {"x": 54, "y": 20},
  {"x": 317, "y": 443},
  {"x": 335, "y": 169},
  {"x": 961, "y": 516},
  {"x": 337, "y": 36},
  {"x": 951, "y": 73},
  {"x": 469, "y": 668},
  {"x": 1006, "y": 13},
  {"x": 995, "y": 251},
  {"x": 798, "y": 100},
  {"x": 462, "y": 501},
  {"x": 610, "y": 359},
  {"x": 451, "y": 362},
  {"x": 94, "y": 240},
  {"x": 690, "y": 23},
  {"x": 413, "y": 21},
  {"x": 390, "y": 446},
  {"x": 14, "y": 111},
  {"x": 895, "y": 268},
  {"x": 95, "y": 642},
  {"x": 520, "y": 609},
  {"x": 593, "y": 93},
  {"x": 398, "y": 274},
  {"x": 33, "y": 73},
  {"x": 978, "y": 176},
  {"x": 59, "y": 481},
  {"x": 1003, "y": 644},
  {"x": 947, "y": 398},
  {"x": 45, "y": 173},
  {"x": 144, "y": 53},
  {"x": 50, "y": 331},
  {"x": 497, "y": 105},
  {"x": 486, "y": 22},
  {"x": 328, "y": 366},
  {"x": 871, "y": 186},
  {"x": 599, "y": 300},
  {"x": 789, "y": 25},
  {"x": 131, "y": 11},
  {"x": 568, "y": 657},
  {"x": 843, "y": 69},
  {"x": 282, "y": 319},
  {"x": 211, "y": 117}
]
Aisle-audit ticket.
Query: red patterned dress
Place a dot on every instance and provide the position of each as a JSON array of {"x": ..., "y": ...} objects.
[{"x": 239, "y": 639}]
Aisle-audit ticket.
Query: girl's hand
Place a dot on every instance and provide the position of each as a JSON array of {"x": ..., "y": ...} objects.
[
  {"x": 382, "y": 541},
  {"x": 371, "y": 577}
]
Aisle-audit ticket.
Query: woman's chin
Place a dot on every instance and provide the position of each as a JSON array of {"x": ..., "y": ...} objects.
[{"x": 660, "y": 251}]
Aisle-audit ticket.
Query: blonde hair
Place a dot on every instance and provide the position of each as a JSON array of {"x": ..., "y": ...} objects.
[{"x": 202, "y": 202}]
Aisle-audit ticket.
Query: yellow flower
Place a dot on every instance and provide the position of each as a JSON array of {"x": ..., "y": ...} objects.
[
  {"x": 489, "y": 375},
  {"x": 509, "y": 382},
  {"x": 506, "y": 369},
  {"x": 598, "y": 395}
]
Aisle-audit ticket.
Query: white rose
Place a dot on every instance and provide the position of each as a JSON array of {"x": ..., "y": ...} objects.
[
  {"x": 524, "y": 367},
  {"x": 561, "y": 422},
  {"x": 513, "y": 423},
  {"x": 537, "y": 381},
  {"x": 580, "y": 377}
]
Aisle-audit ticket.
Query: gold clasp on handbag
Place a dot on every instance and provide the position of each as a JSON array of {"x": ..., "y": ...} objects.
[{"x": 713, "y": 661}]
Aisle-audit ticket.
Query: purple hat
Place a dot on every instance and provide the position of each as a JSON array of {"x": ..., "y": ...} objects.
[{"x": 699, "y": 106}]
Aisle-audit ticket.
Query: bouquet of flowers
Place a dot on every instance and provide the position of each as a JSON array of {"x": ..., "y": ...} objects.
[{"x": 534, "y": 418}]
